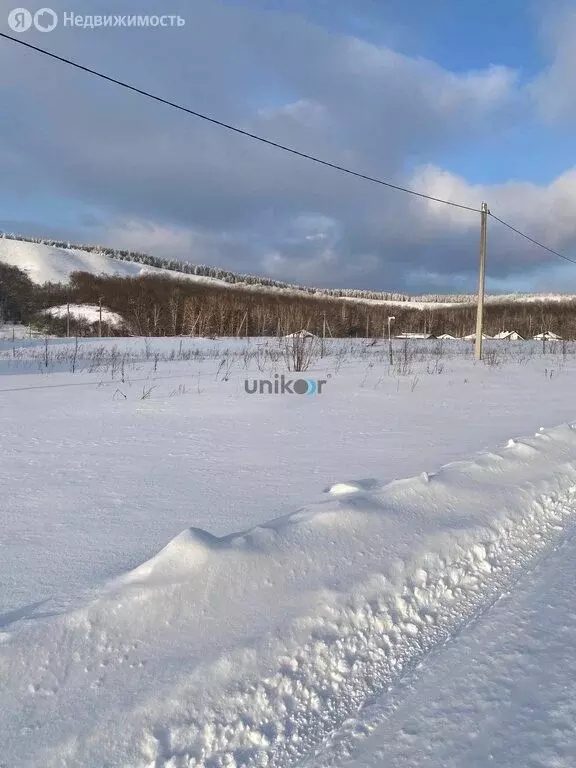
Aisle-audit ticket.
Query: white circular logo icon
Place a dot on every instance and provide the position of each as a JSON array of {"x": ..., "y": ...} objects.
[
  {"x": 20, "y": 20},
  {"x": 45, "y": 20}
]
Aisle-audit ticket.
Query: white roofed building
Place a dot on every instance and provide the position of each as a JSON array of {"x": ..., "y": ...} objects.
[
  {"x": 509, "y": 336},
  {"x": 547, "y": 336}
]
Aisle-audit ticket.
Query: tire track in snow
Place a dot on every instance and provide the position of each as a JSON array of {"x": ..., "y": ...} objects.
[{"x": 342, "y": 743}]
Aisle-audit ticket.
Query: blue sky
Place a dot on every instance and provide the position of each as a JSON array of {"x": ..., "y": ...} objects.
[
  {"x": 457, "y": 35},
  {"x": 457, "y": 99}
]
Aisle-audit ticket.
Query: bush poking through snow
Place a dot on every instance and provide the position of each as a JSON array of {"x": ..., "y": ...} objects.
[{"x": 300, "y": 351}]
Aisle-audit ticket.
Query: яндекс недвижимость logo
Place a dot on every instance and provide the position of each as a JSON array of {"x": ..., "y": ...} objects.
[
  {"x": 46, "y": 20},
  {"x": 280, "y": 385},
  {"x": 21, "y": 20}
]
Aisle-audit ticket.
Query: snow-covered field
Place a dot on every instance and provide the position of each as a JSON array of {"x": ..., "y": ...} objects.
[{"x": 191, "y": 575}]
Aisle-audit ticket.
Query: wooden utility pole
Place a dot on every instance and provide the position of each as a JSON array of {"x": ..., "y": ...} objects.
[{"x": 481, "y": 281}]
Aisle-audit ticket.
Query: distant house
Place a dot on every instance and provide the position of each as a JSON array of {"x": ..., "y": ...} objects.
[
  {"x": 415, "y": 336},
  {"x": 447, "y": 336},
  {"x": 509, "y": 336},
  {"x": 547, "y": 336},
  {"x": 472, "y": 336},
  {"x": 301, "y": 335}
]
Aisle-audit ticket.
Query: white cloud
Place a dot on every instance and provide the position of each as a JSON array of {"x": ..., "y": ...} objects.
[
  {"x": 545, "y": 212},
  {"x": 553, "y": 90}
]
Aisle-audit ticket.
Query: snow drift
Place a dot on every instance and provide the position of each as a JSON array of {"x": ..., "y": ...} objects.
[{"x": 249, "y": 649}]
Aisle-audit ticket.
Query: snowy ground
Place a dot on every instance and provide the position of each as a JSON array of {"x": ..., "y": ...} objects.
[
  {"x": 90, "y": 313},
  {"x": 279, "y": 646},
  {"x": 15, "y": 332},
  {"x": 501, "y": 693}
]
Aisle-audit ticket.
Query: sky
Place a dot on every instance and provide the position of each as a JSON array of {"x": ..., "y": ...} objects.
[{"x": 452, "y": 99}]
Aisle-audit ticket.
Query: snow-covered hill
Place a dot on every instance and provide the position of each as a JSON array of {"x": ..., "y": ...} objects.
[{"x": 46, "y": 263}]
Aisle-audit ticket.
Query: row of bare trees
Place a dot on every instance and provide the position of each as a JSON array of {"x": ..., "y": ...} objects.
[{"x": 154, "y": 305}]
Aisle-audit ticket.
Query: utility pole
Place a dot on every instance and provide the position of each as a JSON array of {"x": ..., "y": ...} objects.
[
  {"x": 481, "y": 281},
  {"x": 68, "y": 319},
  {"x": 100, "y": 317}
]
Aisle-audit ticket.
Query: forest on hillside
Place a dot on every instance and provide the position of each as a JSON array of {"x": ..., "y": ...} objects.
[{"x": 153, "y": 305}]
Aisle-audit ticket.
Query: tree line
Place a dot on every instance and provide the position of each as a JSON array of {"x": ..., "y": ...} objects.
[{"x": 157, "y": 305}]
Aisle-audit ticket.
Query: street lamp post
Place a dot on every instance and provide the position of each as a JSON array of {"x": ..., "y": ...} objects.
[
  {"x": 390, "y": 319},
  {"x": 100, "y": 317}
]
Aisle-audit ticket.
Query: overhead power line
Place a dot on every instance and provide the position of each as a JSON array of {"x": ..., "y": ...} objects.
[
  {"x": 235, "y": 129},
  {"x": 277, "y": 145},
  {"x": 531, "y": 239}
]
